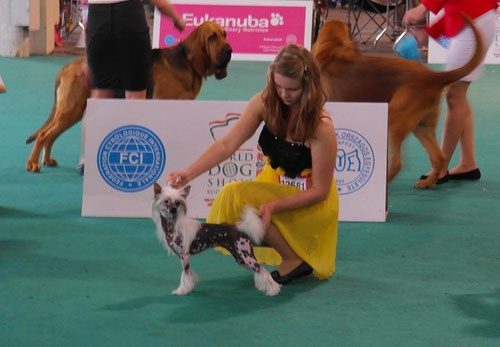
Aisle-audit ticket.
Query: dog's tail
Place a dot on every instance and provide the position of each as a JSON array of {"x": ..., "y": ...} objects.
[
  {"x": 251, "y": 224},
  {"x": 451, "y": 76}
]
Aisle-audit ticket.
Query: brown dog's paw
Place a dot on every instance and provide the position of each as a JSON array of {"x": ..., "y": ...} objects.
[
  {"x": 50, "y": 162},
  {"x": 32, "y": 167}
]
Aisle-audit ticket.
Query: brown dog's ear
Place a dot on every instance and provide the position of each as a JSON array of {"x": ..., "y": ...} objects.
[
  {"x": 185, "y": 191},
  {"x": 188, "y": 53},
  {"x": 157, "y": 189},
  {"x": 179, "y": 56},
  {"x": 198, "y": 53},
  {"x": 185, "y": 51}
]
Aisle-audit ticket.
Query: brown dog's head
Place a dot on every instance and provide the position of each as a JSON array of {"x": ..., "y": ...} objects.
[
  {"x": 334, "y": 35},
  {"x": 208, "y": 50}
]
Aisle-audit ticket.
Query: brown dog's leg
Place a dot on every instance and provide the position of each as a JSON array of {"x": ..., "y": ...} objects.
[
  {"x": 69, "y": 105},
  {"x": 427, "y": 137},
  {"x": 425, "y": 132},
  {"x": 394, "y": 154},
  {"x": 70, "y": 101},
  {"x": 73, "y": 113},
  {"x": 44, "y": 140},
  {"x": 32, "y": 163},
  {"x": 46, "y": 137},
  {"x": 403, "y": 118},
  {"x": 50, "y": 136}
]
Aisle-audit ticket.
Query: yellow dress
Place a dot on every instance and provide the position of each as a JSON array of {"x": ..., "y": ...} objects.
[{"x": 310, "y": 231}]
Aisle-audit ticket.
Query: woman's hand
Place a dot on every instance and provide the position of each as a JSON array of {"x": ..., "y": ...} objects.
[
  {"x": 265, "y": 212},
  {"x": 178, "y": 179},
  {"x": 166, "y": 8},
  {"x": 415, "y": 15},
  {"x": 420, "y": 35},
  {"x": 179, "y": 23}
]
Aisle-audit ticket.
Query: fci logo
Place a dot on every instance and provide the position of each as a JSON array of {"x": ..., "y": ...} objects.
[{"x": 131, "y": 158}]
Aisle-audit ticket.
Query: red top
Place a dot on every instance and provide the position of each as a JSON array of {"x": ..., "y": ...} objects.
[{"x": 452, "y": 22}]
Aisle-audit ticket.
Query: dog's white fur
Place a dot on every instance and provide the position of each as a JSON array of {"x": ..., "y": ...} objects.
[
  {"x": 250, "y": 224},
  {"x": 188, "y": 226},
  {"x": 188, "y": 281}
]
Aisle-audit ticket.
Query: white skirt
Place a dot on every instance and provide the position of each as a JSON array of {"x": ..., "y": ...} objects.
[{"x": 462, "y": 45}]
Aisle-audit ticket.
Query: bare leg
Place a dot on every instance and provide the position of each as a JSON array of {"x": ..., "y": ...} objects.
[
  {"x": 458, "y": 126},
  {"x": 290, "y": 259},
  {"x": 102, "y": 93},
  {"x": 140, "y": 94}
]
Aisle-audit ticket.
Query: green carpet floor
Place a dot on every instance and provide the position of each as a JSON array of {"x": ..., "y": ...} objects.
[{"x": 429, "y": 276}]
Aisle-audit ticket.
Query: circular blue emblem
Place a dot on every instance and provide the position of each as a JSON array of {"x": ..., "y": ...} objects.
[
  {"x": 131, "y": 158},
  {"x": 355, "y": 161},
  {"x": 169, "y": 40}
]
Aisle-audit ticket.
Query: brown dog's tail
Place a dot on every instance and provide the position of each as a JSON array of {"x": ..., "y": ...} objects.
[
  {"x": 33, "y": 136},
  {"x": 451, "y": 76}
]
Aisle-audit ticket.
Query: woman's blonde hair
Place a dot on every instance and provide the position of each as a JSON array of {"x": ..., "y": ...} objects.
[{"x": 295, "y": 62}]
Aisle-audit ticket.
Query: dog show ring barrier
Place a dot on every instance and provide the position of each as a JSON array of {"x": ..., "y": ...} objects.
[
  {"x": 256, "y": 30},
  {"x": 131, "y": 144}
]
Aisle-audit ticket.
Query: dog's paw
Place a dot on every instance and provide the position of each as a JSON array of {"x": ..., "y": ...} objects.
[
  {"x": 265, "y": 283},
  {"x": 272, "y": 289},
  {"x": 33, "y": 167},
  {"x": 50, "y": 162}
]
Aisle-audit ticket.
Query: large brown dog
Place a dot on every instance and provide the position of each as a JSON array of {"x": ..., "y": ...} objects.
[
  {"x": 178, "y": 73},
  {"x": 412, "y": 91}
]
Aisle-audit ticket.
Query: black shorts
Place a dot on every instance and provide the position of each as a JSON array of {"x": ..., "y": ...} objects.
[{"x": 118, "y": 46}]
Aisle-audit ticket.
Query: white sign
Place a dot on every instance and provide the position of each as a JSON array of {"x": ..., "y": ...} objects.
[
  {"x": 437, "y": 54},
  {"x": 130, "y": 144}
]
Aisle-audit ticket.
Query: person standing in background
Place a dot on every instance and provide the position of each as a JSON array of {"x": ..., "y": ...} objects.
[
  {"x": 451, "y": 31},
  {"x": 118, "y": 48}
]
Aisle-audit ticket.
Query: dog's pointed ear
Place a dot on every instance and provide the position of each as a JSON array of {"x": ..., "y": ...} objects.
[
  {"x": 185, "y": 191},
  {"x": 157, "y": 189}
]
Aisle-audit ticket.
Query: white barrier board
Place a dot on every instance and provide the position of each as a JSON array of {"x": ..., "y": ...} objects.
[{"x": 130, "y": 144}]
